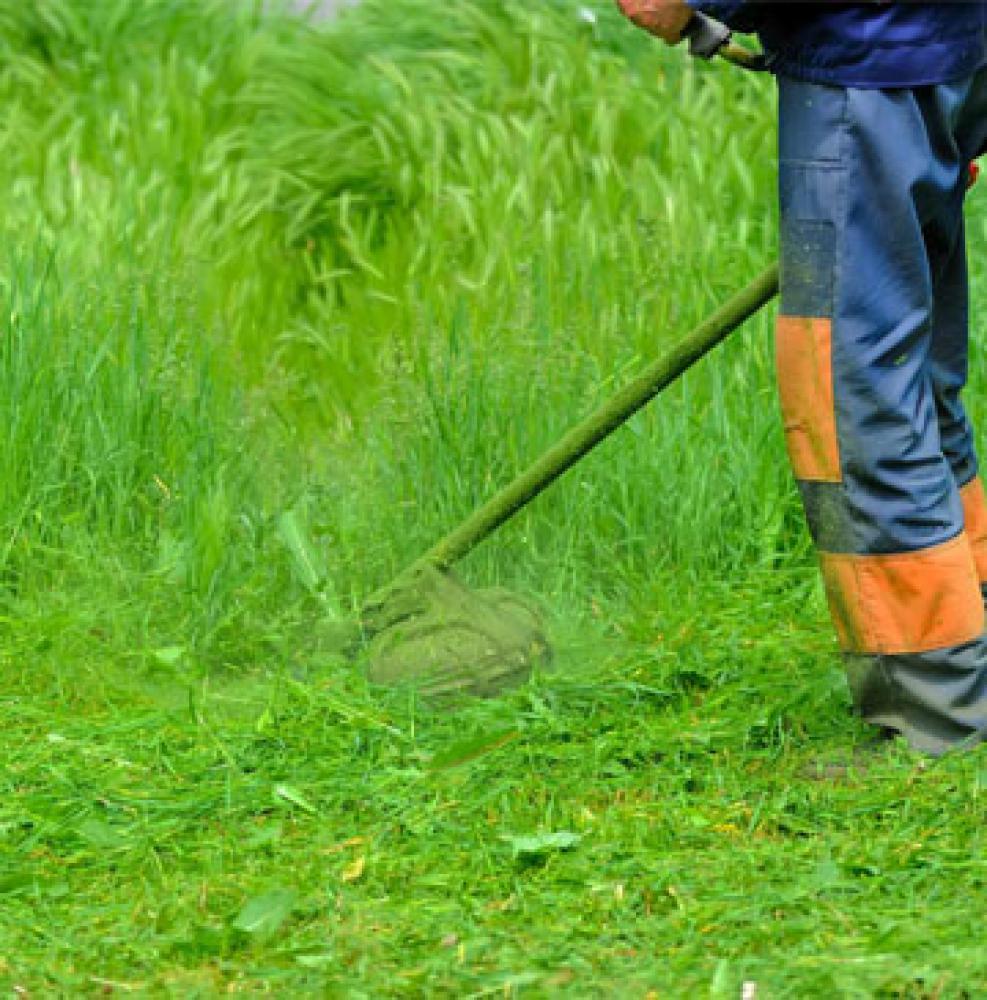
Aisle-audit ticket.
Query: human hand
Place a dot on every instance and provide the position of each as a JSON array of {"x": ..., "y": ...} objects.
[{"x": 665, "y": 18}]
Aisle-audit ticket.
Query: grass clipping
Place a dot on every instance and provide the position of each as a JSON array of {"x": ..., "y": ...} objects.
[{"x": 429, "y": 631}]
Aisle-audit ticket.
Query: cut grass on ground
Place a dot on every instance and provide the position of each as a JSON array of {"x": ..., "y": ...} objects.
[{"x": 680, "y": 816}]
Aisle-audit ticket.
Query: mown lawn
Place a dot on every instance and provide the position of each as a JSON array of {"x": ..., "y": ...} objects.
[
  {"x": 668, "y": 817},
  {"x": 280, "y": 304}
]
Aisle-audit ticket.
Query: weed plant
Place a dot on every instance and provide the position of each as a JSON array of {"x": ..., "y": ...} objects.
[{"x": 281, "y": 302}]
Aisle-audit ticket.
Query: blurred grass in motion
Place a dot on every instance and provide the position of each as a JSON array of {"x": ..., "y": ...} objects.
[{"x": 416, "y": 248}]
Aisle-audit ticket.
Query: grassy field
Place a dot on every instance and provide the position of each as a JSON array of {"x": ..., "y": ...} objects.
[{"x": 280, "y": 304}]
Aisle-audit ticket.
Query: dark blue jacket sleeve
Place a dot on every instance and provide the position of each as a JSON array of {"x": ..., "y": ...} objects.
[{"x": 741, "y": 15}]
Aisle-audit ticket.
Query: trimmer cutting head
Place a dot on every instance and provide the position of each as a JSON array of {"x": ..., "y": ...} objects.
[{"x": 429, "y": 631}]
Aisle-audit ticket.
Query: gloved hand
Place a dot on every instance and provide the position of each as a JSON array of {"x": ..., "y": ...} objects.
[{"x": 665, "y": 18}]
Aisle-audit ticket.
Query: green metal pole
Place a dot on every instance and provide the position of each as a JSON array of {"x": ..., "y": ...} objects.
[{"x": 598, "y": 426}]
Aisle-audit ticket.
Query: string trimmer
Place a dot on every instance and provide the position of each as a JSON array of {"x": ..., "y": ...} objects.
[{"x": 427, "y": 628}]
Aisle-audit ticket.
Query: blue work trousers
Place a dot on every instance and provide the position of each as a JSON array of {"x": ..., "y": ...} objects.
[{"x": 872, "y": 351}]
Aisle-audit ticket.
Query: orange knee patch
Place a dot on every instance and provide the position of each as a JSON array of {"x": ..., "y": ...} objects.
[
  {"x": 975, "y": 517},
  {"x": 911, "y": 602},
  {"x": 805, "y": 384}
]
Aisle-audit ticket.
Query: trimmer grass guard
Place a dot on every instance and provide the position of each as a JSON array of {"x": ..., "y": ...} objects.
[{"x": 427, "y": 629}]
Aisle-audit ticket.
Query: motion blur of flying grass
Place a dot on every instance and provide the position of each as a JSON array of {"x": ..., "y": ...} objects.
[{"x": 280, "y": 302}]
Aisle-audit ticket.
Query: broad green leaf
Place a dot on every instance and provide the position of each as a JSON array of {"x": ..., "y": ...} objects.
[
  {"x": 543, "y": 843},
  {"x": 293, "y": 797},
  {"x": 99, "y": 834},
  {"x": 470, "y": 750},
  {"x": 170, "y": 656},
  {"x": 307, "y": 564},
  {"x": 265, "y": 914},
  {"x": 315, "y": 961}
]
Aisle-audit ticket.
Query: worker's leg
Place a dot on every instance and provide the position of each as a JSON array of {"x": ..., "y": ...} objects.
[
  {"x": 871, "y": 182},
  {"x": 951, "y": 321},
  {"x": 948, "y": 371}
]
